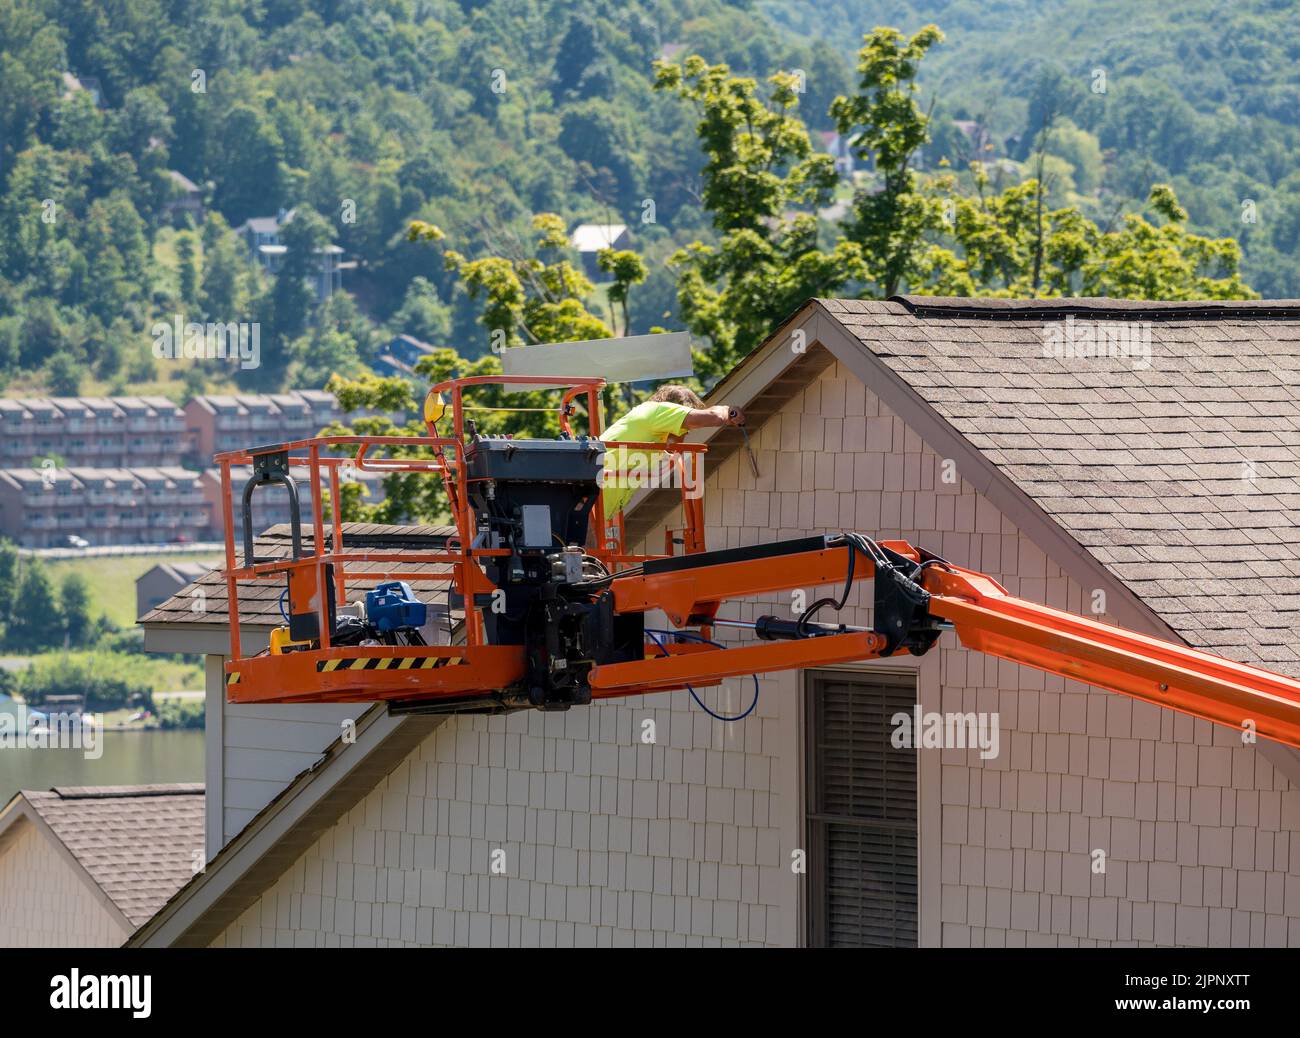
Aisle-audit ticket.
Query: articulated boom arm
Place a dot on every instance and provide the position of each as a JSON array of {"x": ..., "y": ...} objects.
[
  {"x": 985, "y": 617},
  {"x": 916, "y": 597}
]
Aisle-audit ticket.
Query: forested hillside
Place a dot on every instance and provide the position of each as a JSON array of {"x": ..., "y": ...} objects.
[
  {"x": 1201, "y": 94},
  {"x": 478, "y": 113},
  {"x": 494, "y": 126}
]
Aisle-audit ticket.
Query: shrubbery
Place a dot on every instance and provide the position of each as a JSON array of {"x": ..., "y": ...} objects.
[
  {"x": 109, "y": 681},
  {"x": 180, "y": 713}
]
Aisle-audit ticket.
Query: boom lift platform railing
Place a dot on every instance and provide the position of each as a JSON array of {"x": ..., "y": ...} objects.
[{"x": 555, "y": 618}]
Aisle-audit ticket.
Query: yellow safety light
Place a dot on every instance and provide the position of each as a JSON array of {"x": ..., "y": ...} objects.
[{"x": 434, "y": 409}]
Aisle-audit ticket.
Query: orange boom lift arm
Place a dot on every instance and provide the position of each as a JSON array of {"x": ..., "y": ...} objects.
[{"x": 555, "y": 604}]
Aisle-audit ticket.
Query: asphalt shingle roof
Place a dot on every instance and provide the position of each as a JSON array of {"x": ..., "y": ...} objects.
[
  {"x": 1180, "y": 477},
  {"x": 137, "y": 842}
]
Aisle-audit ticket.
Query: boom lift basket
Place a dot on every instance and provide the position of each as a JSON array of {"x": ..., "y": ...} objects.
[{"x": 529, "y": 525}]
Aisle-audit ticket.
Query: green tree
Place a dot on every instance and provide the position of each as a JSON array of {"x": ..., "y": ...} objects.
[
  {"x": 78, "y": 125},
  {"x": 528, "y": 296},
  {"x": 576, "y": 53},
  {"x": 142, "y": 118},
  {"x": 291, "y": 303},
  {"x": 423, "y": 313},
  {"x": 10, "y": 570},
  {"x": 32, "y": 49},
  {"x": 759, "y": 163},
  {"x": 626, "y": 269},
  {"x": 1080, "y": 149},
  {"x": 224, "y": 292},
  {"x": 892, "y": 221},
  {"x": 189, "y": 272},
  {"x": 44, "y": 334},
  {"x": 74, "y": 602},
  {"x": 1143, "y": 260},
  {"x": 108, "y": 680},
  {"x": 249, "y": 167},
  {"x": 63, "y": 374},
  {"x": 38, "y": 620},
  {"x": 324, "y": 353}
]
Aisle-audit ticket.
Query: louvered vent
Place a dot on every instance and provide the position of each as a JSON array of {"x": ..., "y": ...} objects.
[{"x": 862, "y": 813}]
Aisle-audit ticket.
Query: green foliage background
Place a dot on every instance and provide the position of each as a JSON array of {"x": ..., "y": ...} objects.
[
  {"x": 1200, "y": 94},
  {"x": 385, "y": 106},
  {"x": 475, "y": 116}
]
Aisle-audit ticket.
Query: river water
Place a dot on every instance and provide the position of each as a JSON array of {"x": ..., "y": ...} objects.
[{"x": 128, "y": 759}]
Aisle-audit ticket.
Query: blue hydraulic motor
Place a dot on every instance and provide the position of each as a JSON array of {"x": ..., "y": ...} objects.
[{"x": 392, "y": 606}]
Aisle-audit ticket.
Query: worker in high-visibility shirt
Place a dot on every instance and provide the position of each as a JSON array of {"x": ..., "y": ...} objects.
[{"x": 665, "y": 418}]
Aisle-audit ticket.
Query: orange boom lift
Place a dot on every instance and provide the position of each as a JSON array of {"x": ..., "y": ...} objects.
[{"x": 554, "y": 618}]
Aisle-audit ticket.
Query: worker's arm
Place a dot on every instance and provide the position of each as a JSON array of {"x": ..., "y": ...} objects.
[{"x": 711, "y": 417}]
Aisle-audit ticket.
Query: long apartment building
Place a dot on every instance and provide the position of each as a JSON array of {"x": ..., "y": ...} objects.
[
  {"x": 217, "y": 422},
  {"x": 43, "y": 507},
  {"x": 91, "y": 432},
  {"x": 271, "y": 503},
  {"x": 132, "y": 431},
  {"x": 108, "y": 469}
]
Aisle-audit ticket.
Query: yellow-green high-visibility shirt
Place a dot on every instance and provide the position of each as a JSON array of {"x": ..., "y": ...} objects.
[{"x": 627, "y": 471}]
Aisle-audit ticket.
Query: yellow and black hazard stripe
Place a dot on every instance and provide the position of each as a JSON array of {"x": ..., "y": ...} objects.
[
  {"x": 387, "y": 663},
  {"x": 232, "y": 678}
]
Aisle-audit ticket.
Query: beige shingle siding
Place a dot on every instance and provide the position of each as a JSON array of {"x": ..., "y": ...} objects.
[
  {"x": 1202, "y": 835},
  {"x": 44, "y": 903},
  {"x": 610, "y": 842},
  {"x": 607, "y": 841},
  {"x": 259, "y": 750}
]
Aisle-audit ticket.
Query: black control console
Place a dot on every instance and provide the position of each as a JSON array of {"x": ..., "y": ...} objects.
[{"x": 534, "y": 498}]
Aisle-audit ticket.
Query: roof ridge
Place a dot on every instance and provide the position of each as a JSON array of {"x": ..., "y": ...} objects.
[
  {"x": 161, "y": 789},
  {"x": 999, "y": 308}
]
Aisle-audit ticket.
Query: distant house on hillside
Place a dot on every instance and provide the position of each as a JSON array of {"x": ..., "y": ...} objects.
[
  {"x": 187, "y": 197},
  {"x": 399, "y": 356},
  {"x": 408, "y": 349},
  {"x": 590, "y": 238},
  {"x": 976, "y": 134},
  {"x": 262, "y": 236},
  {"x": 162, "y": 581},
  {"x": 49, "y": 506},
  {"x": 75, "y": 84},
  {"x": 840, "y": 150},
  {"x": 93, "y": 432},
  {"x": 222, "y": 422},
  {"x": 83, "y": 867}
]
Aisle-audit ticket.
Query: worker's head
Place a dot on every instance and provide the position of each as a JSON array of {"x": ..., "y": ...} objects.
[{"x": 676, "y": 394}]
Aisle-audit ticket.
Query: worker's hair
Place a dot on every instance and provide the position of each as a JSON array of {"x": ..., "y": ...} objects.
[{"x": 676, "y": 394}]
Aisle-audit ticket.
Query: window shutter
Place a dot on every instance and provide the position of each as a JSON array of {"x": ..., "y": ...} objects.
[{"x": 862, "y": 813}]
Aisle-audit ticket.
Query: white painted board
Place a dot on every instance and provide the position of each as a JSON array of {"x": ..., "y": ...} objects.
[{"x": 633, "y": 358}]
